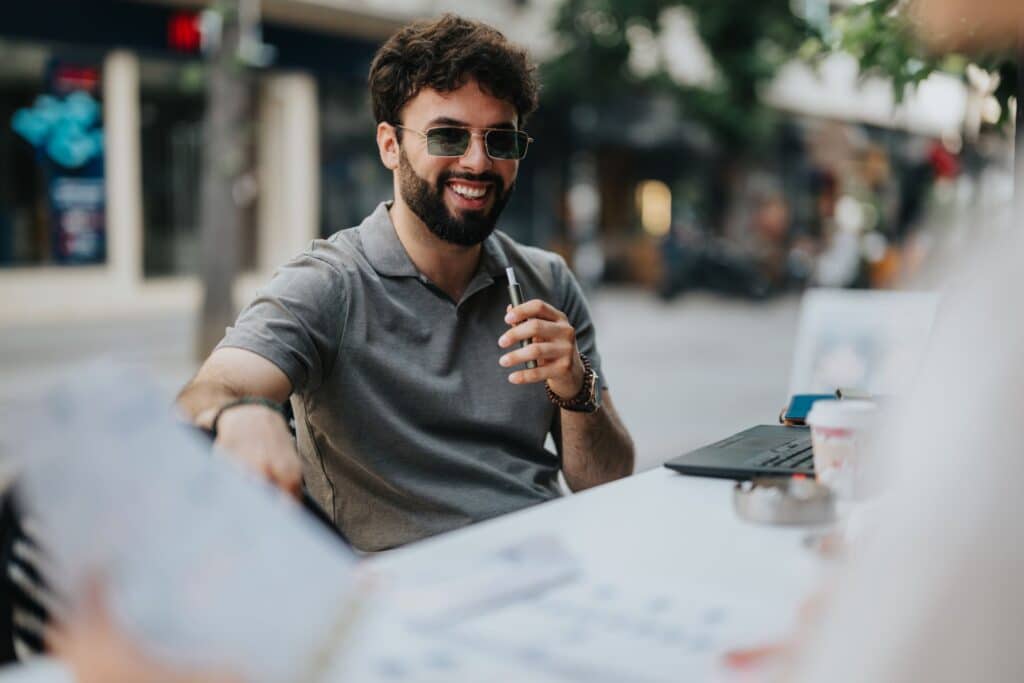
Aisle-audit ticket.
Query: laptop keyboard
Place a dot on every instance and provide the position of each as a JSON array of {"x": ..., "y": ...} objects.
[{"x": 792, "y": 455}]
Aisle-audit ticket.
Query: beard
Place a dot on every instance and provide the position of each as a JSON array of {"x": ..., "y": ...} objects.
[{"x": 467, "y": 229}]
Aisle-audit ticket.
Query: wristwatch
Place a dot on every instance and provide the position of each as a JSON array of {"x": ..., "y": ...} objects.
[{"x": 588, "y": 400}]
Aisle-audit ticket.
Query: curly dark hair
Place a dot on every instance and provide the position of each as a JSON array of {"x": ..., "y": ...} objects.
[{"x": 444, "y": 54}]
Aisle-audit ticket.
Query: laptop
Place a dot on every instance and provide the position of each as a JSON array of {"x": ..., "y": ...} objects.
[{"x": 762, "y": 451}]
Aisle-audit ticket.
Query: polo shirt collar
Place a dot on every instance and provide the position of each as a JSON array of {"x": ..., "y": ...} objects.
[
  {"x": 383, "y": 249},
  {"x": 493, "y": 259},
  {"x": 388, "y": 257}
]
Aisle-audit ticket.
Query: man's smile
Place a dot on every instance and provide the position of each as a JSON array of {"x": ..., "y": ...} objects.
[{"x": 468, "y": 194}]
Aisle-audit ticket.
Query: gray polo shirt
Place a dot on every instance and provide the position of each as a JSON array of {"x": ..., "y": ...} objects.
[{"x": 407, "y": 425}]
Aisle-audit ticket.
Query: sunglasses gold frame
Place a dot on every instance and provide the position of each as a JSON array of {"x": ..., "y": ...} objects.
[{"x": 473, "y": 132}]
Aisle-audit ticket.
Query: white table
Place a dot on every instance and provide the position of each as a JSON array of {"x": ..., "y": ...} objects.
[
  {"x": 657, "y": 524},
  {"x": 659, "y": 533}
]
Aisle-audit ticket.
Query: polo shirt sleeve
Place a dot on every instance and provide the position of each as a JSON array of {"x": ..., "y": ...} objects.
[
  {"x": 574, "y": 305},
  {"x": 296, "y": 321}
]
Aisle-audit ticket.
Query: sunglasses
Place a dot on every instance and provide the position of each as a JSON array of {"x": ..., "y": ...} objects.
[{"x": 452, "y": 141}]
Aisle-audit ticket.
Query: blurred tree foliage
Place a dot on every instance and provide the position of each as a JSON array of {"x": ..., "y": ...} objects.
[
  {"x": 879, "y": 33},
  {"x": 747, "y": 41}
]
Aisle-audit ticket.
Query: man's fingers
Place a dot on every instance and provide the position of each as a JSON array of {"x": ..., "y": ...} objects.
[
  {"x": 254, "y": 461},
  {"x": 285, "y": 472},
  {"x": 539, "y": 374},
  {"x": 281, "y": 466},
  {"x": 534, "y": 308},
  {"x": 534, "y": 329},
  {"x": 290, "y": 485},
  {"x": 539, "y": 351},
  {"x": 290, "y": 479}
]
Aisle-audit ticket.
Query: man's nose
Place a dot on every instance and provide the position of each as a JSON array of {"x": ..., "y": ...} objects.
[{"x": 475, "y": 159}]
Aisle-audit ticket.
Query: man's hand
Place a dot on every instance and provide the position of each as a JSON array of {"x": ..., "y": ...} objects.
[
  {"x": 259, "y": 438},
  {"x": 553, "y": 346},
  {"x": 595, "y": 447},
  {"x": 254, "y": 434}
]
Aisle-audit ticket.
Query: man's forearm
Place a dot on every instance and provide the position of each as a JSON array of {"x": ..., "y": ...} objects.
[
  {"x": 596, "y": 448},
  {"x": 227, "y": 375}
]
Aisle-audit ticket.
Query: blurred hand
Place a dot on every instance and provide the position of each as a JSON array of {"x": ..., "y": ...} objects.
[
  {"x": 773, "y": 655},
  {"x": 780, "y": 657},
  {"x": 553, "y": 346},
  {"x": 95, "y": 651},
  {"x": 259, "y": 438}
]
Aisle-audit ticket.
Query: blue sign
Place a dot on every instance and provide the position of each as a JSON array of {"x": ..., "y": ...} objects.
[{"x": 67, "y": 135}]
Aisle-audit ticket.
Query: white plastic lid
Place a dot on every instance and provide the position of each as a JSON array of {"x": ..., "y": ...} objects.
[{"x": 842, "y": 414}]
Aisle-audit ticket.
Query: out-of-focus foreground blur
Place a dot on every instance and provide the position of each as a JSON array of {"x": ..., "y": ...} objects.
[{"x": 699, "y": 164}]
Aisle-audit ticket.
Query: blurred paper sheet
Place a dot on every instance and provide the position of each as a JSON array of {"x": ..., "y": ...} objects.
[
  {"x": 470, "y": 586},
  {"x": 590, "y": 630},
  {"x": 202, "y": 563}
]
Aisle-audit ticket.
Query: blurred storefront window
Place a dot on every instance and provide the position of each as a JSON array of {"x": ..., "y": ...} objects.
[
  {"x": 172, "y": 104},
  {"x": 353, "y": 180},
  {"x": 52, "y": 180},
  {"x": 171, "y": 117}
]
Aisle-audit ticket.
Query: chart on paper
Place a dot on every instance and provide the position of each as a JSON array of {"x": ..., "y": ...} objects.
[{"x": 588, "y": 630}]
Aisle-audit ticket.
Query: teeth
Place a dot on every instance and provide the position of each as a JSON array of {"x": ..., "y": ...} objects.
[{"x": 469, "y": 192}]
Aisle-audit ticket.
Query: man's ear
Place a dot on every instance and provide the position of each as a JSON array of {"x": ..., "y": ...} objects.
[{"x": 387, "y": 145}]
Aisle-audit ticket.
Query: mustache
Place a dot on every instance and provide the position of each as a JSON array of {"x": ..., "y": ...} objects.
[{"x": 488, "y": 177}]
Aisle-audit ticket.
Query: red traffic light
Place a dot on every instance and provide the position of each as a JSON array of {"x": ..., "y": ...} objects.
[{"x": 183, "y": 32}]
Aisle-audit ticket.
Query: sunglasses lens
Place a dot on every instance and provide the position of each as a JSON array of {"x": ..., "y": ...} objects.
[
  {"x": 453, "y": 142},
  {"x": 447, "y": 142},
  {"x": 507, "y": 144}
]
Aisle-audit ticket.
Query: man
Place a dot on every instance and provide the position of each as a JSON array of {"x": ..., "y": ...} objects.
[{"x": 415, "y": 410}]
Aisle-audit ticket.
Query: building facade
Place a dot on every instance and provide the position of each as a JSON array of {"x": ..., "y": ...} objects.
[{"x": 101, "y": 108}]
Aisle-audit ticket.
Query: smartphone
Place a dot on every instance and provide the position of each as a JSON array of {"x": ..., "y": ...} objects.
[{"x": 795, "y": 414}]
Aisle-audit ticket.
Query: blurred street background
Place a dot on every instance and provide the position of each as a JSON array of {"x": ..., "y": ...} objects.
[{"x": 699, "y": 163}]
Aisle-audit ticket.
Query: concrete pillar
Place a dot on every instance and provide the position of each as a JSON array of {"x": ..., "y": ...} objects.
[
  {"x": 123, "y": 168},
  {"x": 289, "y": 168}
]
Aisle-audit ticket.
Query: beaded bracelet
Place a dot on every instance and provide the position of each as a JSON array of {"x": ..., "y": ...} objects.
[{"x": 582, "y": 402}]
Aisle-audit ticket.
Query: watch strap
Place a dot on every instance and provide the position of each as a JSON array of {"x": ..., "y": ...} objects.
[{"x": 246, "y": 401}]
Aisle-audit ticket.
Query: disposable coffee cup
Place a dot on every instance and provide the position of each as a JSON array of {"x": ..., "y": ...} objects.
[{"x": 841, "y": 433}]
